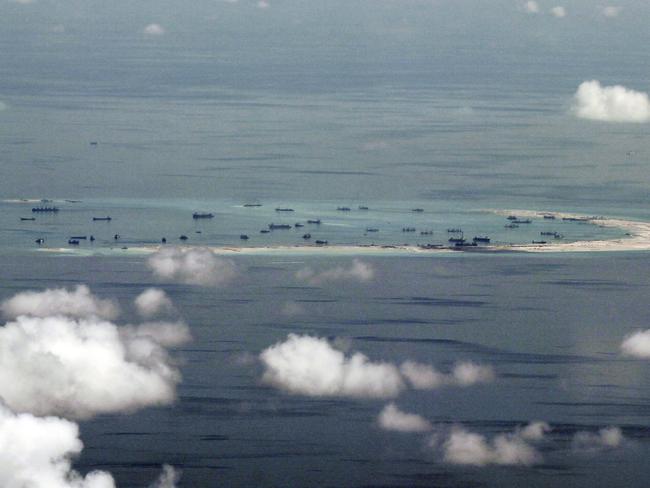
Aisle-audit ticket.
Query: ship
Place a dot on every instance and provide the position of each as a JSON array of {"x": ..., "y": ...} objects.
[
  {"x": 45, "y": 209},
  {"x": 202, "y": 215}
]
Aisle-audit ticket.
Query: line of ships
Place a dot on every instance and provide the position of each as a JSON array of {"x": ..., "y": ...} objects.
[{"x": 457, "y": 240}]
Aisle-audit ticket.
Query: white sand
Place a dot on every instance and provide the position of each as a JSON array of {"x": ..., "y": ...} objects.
[{"x": 638, "y": 238}]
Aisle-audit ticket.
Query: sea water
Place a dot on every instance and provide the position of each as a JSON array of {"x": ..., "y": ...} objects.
[{"x": 459, "y": 130}]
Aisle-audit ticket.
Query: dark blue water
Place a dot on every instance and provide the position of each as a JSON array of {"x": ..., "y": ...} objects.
[{"x": 550, "y": 326}]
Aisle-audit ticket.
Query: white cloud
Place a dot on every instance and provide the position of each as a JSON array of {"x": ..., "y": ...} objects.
[
  {"x": 37, "y": 452},
  {"x": 534, "y": 431},
  {"x": 531, "y": 7},
  {"x": 153, "y": 30},
  {"x": 637, "y": 344},
  {"x": 464, "y": 447},
  {"x": 605, "y": 438},
  {"x": 558, "y": 12},
  {"x": 611, "y": 11},
  {"x": 610, "y": 103},
  {"x": 168, "y": 478},
  {"x": 263, "y": 4},
  {"x": 311, "y": 366},
  {"x": 425, "y": 377},
  {"x": 153, "y": 301},
  {"x": 359, "y": 271},
  {"x": 58, "y": 301},
  {"x": 422, "y": 376},
  {"x": 80, "y": 368},
  {"x": 192, "y": 266},
  {"x": 392, "y": 418}
]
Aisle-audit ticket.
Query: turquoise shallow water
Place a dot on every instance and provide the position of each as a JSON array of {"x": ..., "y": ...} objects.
[{"x": 145, "y": 222}]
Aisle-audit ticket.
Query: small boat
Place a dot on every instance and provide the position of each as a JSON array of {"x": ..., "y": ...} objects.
[
  {"x": 455, "y": 230},
  {"x": 265, "y": 231},
  {"x": 343, "y": 209},
  {"x": 317, "y": 221},
  {"x": 93, "y": 143},
  {"x": 107, "y": 218},
  {"x": 243, "y": 237},
  {"x": 92, "y": 238},
  {"x": 306, "y": 236},
  {"x": 549, "y": 216},
  {"x": 248, "y": 205},
  {"x": 372, "y": 229},
  {"x": 319, "y": 242},
  {"x": 116, "y": 237},
  {"x": 163, "y": 240},
  {"x": 27, "y": 218},
  {"x": 520, "y": 221},
  {"x": 73, "y": 242},
  {"x": 511, "y": 217},
  {"x": 539, "y": 242},
  {"x": 363, "y": 207},
  {"x": 297, "y": 225},
  {"x": 202, "y": 215},
  {"x": 45, "y": 209},
  {"x": 78, "y": 238},
  {"x": 426, "y": 232},
  {"x": 39, "y": 241},
  {"x": 511, "y": 226},
  {"x": 183, "y": 237},
  {"x": 419, "y": 210},
  {"x": 483, "y": 239},
  {"x": 281, "y": 209},
  {"x": 279, "y": 226},
  {"x": 408, "y": 229}
]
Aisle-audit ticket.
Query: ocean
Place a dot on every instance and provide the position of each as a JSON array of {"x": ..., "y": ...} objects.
[{"x": 313, "y": 113}]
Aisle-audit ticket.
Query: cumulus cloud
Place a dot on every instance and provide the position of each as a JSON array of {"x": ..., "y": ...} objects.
[
  {"x": 358, "y": 271},
  {"x": 311, "y": 366},
  {"x": 466, "y": 373},
  {"x": 153, "y": 30},
  {"x": 531, "y": 7},
  {"x": 153, "y": 301},
  {"x": 605, "y": 438},
  {"x": 168, "y": 478},
  {"x": 558, "y": 12},
  {"x": 610, "y": 103},
  {"x": 194, "y": 266},
  {"x": 79, "y": 302},
  {"x": 534, "y": 431},
  {"x": 637, "y": 344},
  {"x": 464, "y": 447},
  {"x": 611, "y": 11},
  {"x": 37, "y": 452},
  {"x": 78, "y": 368},
  {"x": 392, "y": 418}
]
